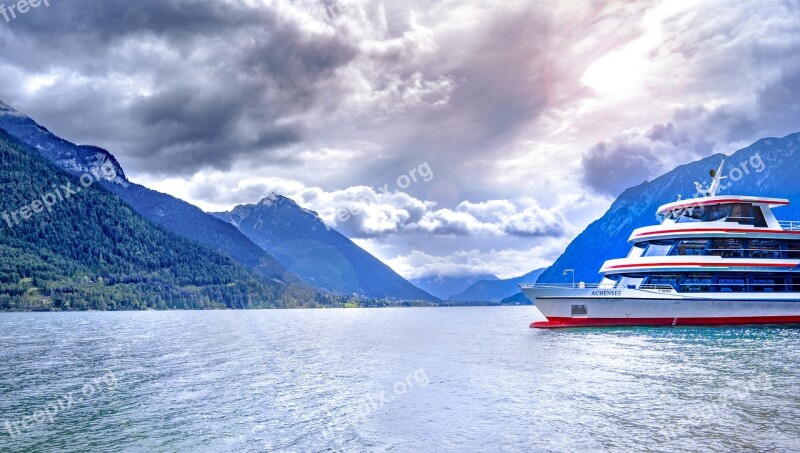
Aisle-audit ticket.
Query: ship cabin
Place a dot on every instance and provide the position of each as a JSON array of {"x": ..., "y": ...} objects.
[{"x": 727, "y": 244}]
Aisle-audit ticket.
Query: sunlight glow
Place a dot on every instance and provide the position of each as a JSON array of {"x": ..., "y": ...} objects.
[{"x": 618, "y": 73}]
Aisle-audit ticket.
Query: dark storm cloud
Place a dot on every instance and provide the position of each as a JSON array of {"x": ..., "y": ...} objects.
[
  {"x": 223, "y": 80},
  {"x": 611, "y": 167},
  {"x": 219, "y": 83},
  {"x": 109, "y": 20}
]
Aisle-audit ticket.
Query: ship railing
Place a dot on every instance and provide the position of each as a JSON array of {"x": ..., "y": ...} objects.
[
  {"x": 776, "y": 286},
  {"x": 590, "y": 286},
  {"x": 790, "y": 225},
  {"x": 657, "y": 287},
  {"x": 560, "y": 285}
]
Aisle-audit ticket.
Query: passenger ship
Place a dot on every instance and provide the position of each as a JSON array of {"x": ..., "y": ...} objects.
[{"x": 712, "y": 260}]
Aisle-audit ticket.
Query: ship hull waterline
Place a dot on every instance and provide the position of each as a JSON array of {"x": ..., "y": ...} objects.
[{"x": 631, "y": 307}]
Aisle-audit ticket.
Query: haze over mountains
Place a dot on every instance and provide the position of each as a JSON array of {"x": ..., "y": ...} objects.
[
  {"x": 444, "y": 287},
  {"x": 495, "y": 290}
]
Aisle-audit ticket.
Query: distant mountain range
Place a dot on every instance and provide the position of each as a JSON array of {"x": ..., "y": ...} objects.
[
  {"x": 777, "y": 158},
  {"x": 444, "y": 287},
  {"x": 319, "y": 255},
  {"x": 495, "y": 290}
]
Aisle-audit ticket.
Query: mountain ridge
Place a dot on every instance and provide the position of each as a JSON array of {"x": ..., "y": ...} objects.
[
  {"x": 444, "y": 287},
  {"x": 495, "y": 290},
  {"x": 87, "y": 249},
  {"x": 173, "y": 214},
  {"x": 316, "y": 253}
]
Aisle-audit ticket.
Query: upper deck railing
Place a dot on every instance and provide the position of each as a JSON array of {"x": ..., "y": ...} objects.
[
  {"x": 588, "y": 286},
  {"x": 790, "y": 225},
  {"x": 559, "y": 285}
]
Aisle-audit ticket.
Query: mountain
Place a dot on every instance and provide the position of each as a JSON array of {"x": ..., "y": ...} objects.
[
  {"x": 767, "y": 168},
  {"x": 517, "y": 299},
  {"x": 495, "y": 290},
  {"x": 69, "y": 245},
  {"x": 173, "y": 214},
  {"x": 444, "y": 287},
  {"x": 319, "y": 255},
  {"x": 68, "y": 156}
]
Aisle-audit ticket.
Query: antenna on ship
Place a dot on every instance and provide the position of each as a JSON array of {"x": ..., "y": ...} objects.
[{"x": 716, "y": 182}]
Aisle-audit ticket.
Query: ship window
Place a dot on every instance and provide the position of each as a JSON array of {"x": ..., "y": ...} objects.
[
  {"x": 580, "y": 310},
  {"x": 769, "y": 283},
  {"x": 793, "y": 250},
  {"x": 697, "y": 283},
  {"x": 758, "y": 218},
  {"x": 728, "y": 283},
  {"x": 718, "y": 212},
  {"x": 747, "y": 214},
  {"x": 764, "y": 248},
  {"x": 690, "y": 247},
  {"x": 692, "y": 215},
  {"x": 660, "y": 248},
  {"x": 665, "y": 280},
  {"x": 609, "y": 281},
  {"x": 727, "y": 248},
  {"x": 631, "y": 281},
  {"x": 637, "y": 251}
]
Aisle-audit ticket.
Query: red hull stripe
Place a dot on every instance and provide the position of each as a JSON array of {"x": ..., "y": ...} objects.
[
  {"x": 727, "y": 200},
  {"x": 716, "y": 230},
  {"x": 709, "y": 265},
  {"x": 554, "y": 323}
]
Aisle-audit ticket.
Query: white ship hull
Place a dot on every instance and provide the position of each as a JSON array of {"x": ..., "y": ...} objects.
[{"x": 593, "y": 307}]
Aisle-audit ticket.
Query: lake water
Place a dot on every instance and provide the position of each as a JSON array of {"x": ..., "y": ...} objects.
[{"x": 408, "y": 379}]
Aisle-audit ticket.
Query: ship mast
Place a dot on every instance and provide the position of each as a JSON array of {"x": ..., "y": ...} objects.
[{"x": 716, "y": 182}]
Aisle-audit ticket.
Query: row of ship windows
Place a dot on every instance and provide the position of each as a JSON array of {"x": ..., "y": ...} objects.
[
  {"x": 709, "y": 282},
  {"x": 744, "y": 214},
  {"x": 726, "y": 248}
]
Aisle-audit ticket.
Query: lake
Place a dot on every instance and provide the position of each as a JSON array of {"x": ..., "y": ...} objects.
[{"x": 405, "y": 379}]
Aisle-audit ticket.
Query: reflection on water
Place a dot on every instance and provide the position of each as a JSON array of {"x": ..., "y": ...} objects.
[{"x": 414, "y": 379}]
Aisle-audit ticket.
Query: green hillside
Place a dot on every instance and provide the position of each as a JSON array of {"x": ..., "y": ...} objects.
[{"x": 91, "y": 251}]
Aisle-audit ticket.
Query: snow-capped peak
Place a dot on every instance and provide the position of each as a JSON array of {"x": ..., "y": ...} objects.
[{"x": 269, "y": 200}]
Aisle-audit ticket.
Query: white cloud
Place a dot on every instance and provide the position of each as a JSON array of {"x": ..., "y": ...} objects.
[{"x": 505, "y": 263}]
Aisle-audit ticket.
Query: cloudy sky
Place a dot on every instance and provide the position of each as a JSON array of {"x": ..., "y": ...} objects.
[{"x": 446, "y": 137}]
